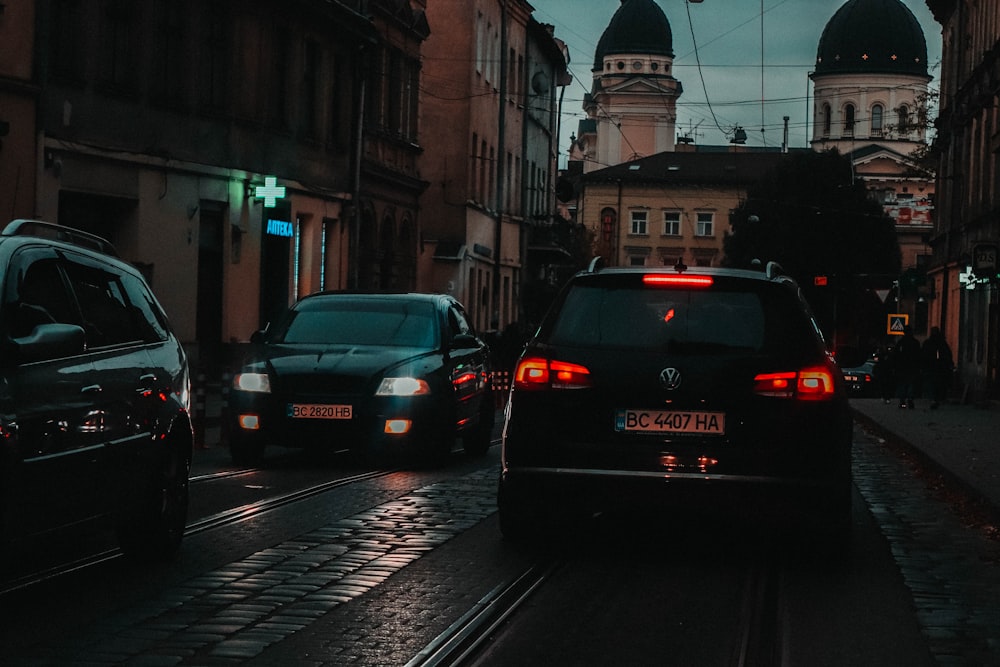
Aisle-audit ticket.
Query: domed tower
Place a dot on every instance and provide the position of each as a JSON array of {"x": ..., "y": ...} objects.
[
  {"x": 634, "y": 95},
  {"x": 870, "y": 80},
  {"x": 870, "y": 85}
]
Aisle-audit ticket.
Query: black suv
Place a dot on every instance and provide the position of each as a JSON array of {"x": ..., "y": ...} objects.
[
  {"x": 677, "y": 389},
  {"x": 94, "y": 394}
]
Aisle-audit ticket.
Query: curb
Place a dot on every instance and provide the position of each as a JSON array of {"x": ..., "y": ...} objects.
[{"x": 982, "y": 505}]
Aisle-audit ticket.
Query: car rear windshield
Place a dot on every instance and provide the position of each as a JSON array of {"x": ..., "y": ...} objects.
[
  {"x": 689, "y": 321},
  {"x": 345, "y": 321}
]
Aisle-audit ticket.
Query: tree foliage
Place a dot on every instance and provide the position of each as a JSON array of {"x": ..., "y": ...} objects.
[{"x": 814, "y": 218}]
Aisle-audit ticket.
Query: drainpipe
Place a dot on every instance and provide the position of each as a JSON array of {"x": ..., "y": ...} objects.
[
  {"x": 353, "y": 208},
  {"x": 501, "y": 173}
]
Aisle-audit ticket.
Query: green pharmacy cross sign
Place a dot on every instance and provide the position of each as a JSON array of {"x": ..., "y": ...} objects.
[{"x": 270, "y": 192}]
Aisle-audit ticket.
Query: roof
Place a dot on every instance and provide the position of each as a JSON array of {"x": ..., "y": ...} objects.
[
  {"x": 697, "y": 168},
  {"x": 640, "y": 27},
  {"x": 872, "y": 36}
]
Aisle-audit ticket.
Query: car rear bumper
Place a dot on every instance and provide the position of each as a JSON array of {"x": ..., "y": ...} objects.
[{"x": 590, "y": 490}]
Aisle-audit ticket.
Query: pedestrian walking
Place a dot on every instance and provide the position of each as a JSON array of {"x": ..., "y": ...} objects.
[
  {"x": 906, "y": 362},
  {"x": 884, "y": 374},
  {"x": 937, "y": 365}
]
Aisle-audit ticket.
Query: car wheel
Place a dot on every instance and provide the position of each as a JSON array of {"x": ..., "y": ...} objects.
[
  {"x": 476, "y": 442},
  {"x": 246, "y": 451},
  {"x": 155, "y": 529}
]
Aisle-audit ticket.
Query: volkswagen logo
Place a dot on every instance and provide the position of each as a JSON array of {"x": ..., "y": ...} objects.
[{"x": 670, "y": 378}]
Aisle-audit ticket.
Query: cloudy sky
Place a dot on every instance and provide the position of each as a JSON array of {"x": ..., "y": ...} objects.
[{"x": 744, "y": 84}]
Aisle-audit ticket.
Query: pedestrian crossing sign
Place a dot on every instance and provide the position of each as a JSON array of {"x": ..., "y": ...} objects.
[{"x": 896, "y": 323}]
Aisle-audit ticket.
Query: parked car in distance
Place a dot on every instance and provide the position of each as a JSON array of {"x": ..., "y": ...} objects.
[
  {"x": 860, "y": 380},
  {"x": 387, "y": 376},
  {"x": 680, "y": 389},
  {"x": 94, "y": 394}
]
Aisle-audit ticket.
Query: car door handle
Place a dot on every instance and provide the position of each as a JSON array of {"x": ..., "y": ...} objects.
[{"x": 92, "y": 389}]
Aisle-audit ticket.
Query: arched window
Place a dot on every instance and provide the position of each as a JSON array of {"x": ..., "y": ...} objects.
[
  {"x": 904, "y": 120},
  {"x": 827, "y": 120},
  {"x": 608, "y": 219},
  {"x": 877, "y": 112},
  {"x": 849, "y": 120}
]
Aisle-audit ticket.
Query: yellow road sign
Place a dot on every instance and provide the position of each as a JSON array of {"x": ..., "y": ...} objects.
[{"x": 894, "y": 327}]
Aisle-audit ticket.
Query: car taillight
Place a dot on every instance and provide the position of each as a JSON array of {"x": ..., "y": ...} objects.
[
  {"x": 815, "y": 383},
  {"x": 537, "y": 373}
]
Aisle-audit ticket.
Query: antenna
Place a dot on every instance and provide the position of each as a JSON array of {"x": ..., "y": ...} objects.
[{"x": 689, "y": 136}]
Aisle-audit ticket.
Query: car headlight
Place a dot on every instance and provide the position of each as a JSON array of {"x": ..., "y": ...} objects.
[
  {"x": 406, "y": 386},
  {"x": 258, "y": 383}
]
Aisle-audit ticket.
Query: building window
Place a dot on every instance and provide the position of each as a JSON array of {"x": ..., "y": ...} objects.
[
  {"x": 904, "y": 120},
  {"x": 168, "y": 82},
  {"x": 877, "y": 120},
  {"x": 66, "y": 43},
  {"x": 214, "y": 55},
  {"x": 671, "y": 223},
  {"x": 849, "y": 120},
  {"x": 639, "y": 223},
  {"x": 827, "y": 120},
  {"x": 636, "y": 260},
  {"x": 608, "y": 219},
  {"x": 705, "y": 225}
]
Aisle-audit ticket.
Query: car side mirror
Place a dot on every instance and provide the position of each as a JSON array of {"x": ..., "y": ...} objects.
[
  {"x": 464, "y": 341},
  {"x": 50, "y": 341}
]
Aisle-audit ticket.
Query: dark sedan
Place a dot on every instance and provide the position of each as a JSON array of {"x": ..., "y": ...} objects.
[
  {"x": 860, "y": 380},
  {"x": 388, "y": 376}
]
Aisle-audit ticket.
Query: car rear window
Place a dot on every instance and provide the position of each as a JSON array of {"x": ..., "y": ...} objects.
[
  {"x": 360, "y": 322},
  {"x": 683, "y": 321}
]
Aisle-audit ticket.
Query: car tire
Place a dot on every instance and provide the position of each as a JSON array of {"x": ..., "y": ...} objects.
[
  {"x": 476, "y": 442},
  {"x": 246, "y": 451},
  {"x": 153, "y": 531}
]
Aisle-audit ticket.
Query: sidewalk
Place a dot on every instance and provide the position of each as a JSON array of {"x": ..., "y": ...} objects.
[{"x": 962, "y": 441}]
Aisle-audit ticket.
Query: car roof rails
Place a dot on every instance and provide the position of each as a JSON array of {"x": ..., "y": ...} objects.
[
  {"x": 773, "y": 270},
  {"x": 49, "y": 230}
]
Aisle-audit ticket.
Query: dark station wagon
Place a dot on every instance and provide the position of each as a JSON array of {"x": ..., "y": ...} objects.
[
  {"x": 95, "y": 423},
  {"x": 677, "y": 389}
]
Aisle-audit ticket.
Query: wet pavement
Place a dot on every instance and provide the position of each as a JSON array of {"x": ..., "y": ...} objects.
[{"x": 931, "y": 479}]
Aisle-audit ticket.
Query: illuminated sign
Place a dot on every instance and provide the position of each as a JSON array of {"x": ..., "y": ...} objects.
[
  {"x": 280, "y": 228},
  {"x": 270, "y": 192},
  {"x": 897, "y": 323}
]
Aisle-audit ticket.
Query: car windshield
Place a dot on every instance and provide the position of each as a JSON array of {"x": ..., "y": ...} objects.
[
  {"x": 680, "y": 321},
  {"x": 349, "y": 321}
]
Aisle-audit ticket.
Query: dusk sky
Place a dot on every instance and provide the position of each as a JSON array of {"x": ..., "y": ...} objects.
[{"x": 728, "y": 35}]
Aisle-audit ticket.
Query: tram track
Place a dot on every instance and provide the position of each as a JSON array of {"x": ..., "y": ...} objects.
[
  {"x": 221, "y": 519},
  {"x": 474, "y": 629},
  {"x": 756, "y": 637}
]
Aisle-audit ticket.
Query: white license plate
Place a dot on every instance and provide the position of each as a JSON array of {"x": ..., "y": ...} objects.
[
  {"x": 671, "y": 421},
  {"x": 319, "y": 411}
]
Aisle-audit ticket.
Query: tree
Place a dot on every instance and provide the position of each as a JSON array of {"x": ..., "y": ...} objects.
[{"x": 812, "y": 216}]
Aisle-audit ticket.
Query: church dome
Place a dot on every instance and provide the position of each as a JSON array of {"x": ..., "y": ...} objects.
[
  {"x": 872, "y": 36},
  {"x": 639, "y": 27}
]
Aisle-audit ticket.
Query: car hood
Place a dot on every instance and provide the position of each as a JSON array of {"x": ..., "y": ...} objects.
[{"x": 300, "y": 368}]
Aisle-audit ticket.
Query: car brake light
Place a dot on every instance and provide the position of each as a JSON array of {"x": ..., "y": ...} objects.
[
  {"x": 815, "y": 383},
  {"x": 537, "y": 373},
  {"x": 679, "y": 280}
]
